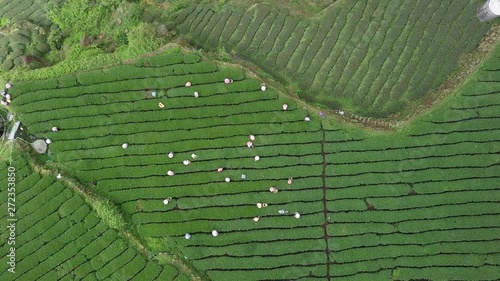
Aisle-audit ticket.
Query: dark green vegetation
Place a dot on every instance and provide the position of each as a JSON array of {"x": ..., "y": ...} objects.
[
  {"x": 59, "y": 237},
  {"x": 372, "y": 57},
  {"x": 420, "y": 203},
  {"x": 33, "y": 11},
  {"x": 23, "y": 38}
]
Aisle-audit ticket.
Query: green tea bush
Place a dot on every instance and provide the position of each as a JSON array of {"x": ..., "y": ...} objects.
[{"x": 7, "y": 65}]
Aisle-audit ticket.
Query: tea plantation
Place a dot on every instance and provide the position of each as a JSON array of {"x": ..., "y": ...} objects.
[
  {"x": 372, "y": 57},
  {"x": 25, "y": 10},
  {"x": 421, "y": 203},
  {"x": 23, "y": 39},
  {"x": 115, "y": 106},
  {"x": 59, "y": 237}
]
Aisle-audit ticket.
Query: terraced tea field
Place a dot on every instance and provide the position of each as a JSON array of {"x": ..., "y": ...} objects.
[
  {"x": 372, "y": 57},
  {"x": 420, "y": 203},
  {"x": 59, "y": 237},
  {"x": 23, "y": 40},
  {"x": 25, "y": 10},
  {"x": 115, "y": 107},
  {"x": 424, "y": 203}
]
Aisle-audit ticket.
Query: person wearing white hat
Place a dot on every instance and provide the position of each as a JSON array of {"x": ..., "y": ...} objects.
[
  {"x": 215, "y": 233},
  {"x": 170, "y": 173},
  {"x": 167, "y": 200},
  {"x": 261, "y": 205},
  {"x": 171, "y": 155}
]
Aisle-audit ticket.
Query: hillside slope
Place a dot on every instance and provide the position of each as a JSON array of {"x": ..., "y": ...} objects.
[{"x": 371, "y": 57}]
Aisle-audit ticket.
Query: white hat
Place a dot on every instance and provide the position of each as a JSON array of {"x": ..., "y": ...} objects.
[
  {"x": 170, "y": 173},
  {"x": 125, "y": 145},
  {"x": 257, "y": 158},
  {"x": 215, "y": 233},
  {"x": 171, "y": 155}
]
